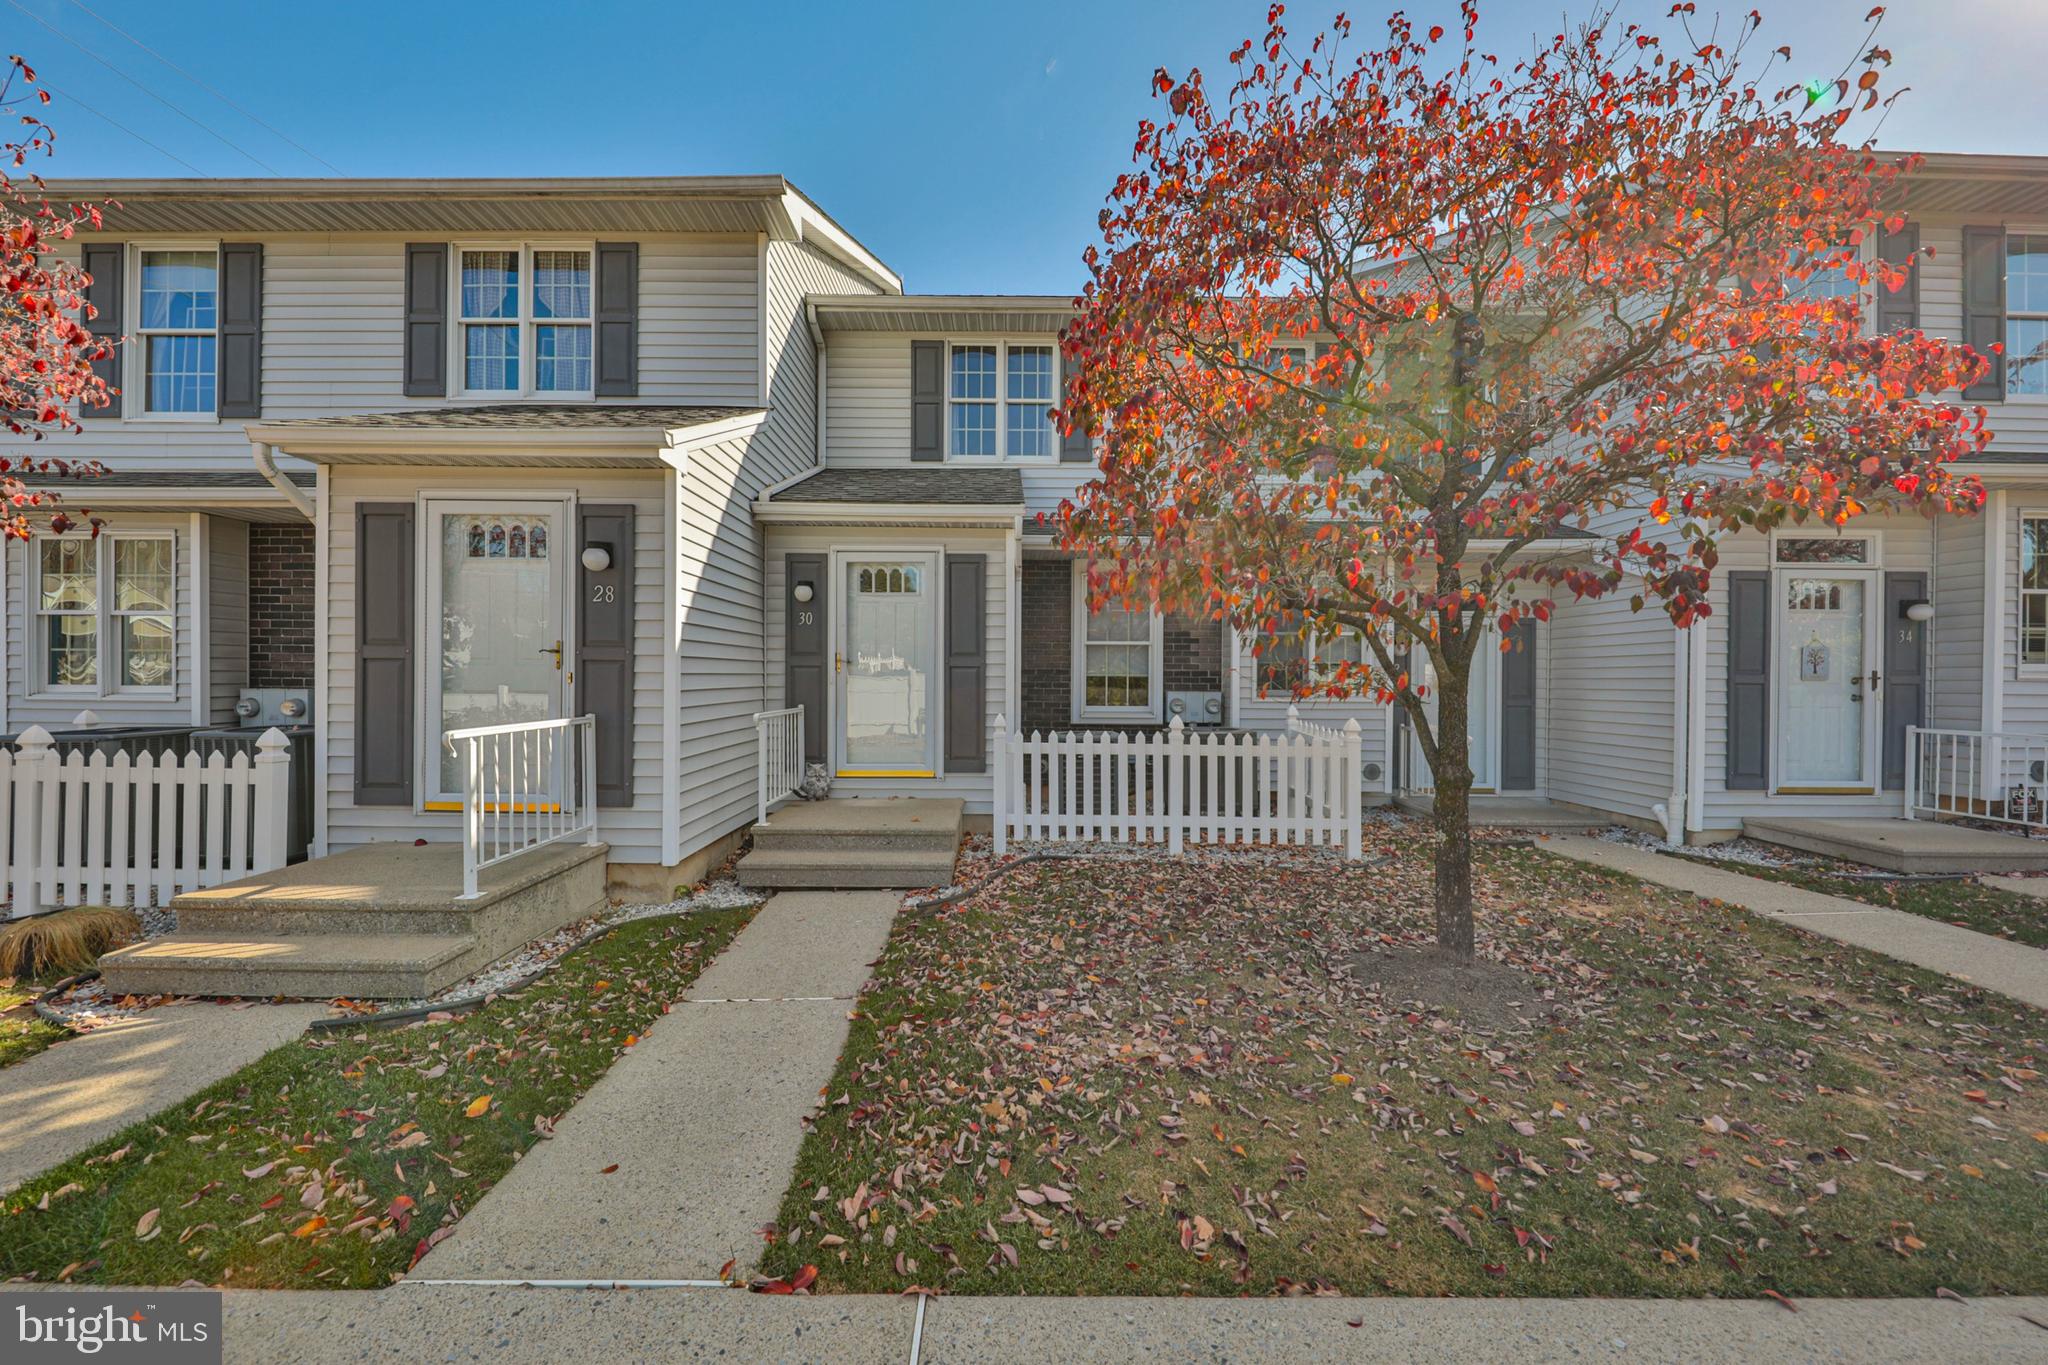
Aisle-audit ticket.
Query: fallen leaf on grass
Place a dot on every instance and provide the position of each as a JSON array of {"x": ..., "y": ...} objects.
[
  {"x": 145, "y": 1227},
  {"x": 478, "y": 1107},
  {"x": 310, "y": 1226}
]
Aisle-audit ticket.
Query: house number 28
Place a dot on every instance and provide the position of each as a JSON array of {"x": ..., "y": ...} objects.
[{"x": 603, "y": 592}]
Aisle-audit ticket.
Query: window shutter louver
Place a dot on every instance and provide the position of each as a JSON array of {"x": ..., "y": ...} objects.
[
  {"x": 384, "y": 752},
  {"x": 104, "y": 262},
  {"x": 1898, "y": 310},
  {"x": 239, "y": 386},
  {"x": 966, "y": 663},
  {"x": 1075, "y": 447},
  {"x": 1905, "y": 671},
  {"x": 1749, "y": 680},
  {"x": 426, "y": 320},
  {"x": 618, "y": 320},
  {"x": 1518, "y": 711},
  {"x": 927, "y": 400},
  {"x": 1984, "y": 307},
  {"x": 803, "y": 647},
  {"x": 604, "y": 646}
]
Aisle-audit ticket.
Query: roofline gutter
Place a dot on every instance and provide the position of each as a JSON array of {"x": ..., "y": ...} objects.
[
  {"x": 1002, "y": 514},
  {"x": 266, "y": 465}
]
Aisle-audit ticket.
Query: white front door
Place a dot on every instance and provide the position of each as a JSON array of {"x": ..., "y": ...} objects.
[
  {"x": 887, "y": 665},
  {"x": 1482, "y": 720},
  {"x": 496, "y": 626},
  {"x": 1826, "y": 713}
]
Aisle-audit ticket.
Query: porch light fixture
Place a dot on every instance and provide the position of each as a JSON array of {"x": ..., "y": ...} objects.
[
  {"x": 1921, "y": 610},
  {"x": 597, "y": 558},
  {"x": 802, "y": 592}
]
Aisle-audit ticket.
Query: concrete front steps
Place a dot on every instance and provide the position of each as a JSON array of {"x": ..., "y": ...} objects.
[
  {"x": 381, "y": 922},
  {"x": 848, "y": 845},
  {"x": 1904, "y": 845}
]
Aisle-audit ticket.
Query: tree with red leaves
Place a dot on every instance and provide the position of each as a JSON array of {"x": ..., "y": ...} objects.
[
  {"x": 1366, "y": 340},
  {"x": 46, "y": 351}
]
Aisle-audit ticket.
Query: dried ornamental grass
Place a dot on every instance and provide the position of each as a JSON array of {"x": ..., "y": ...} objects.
[{"x": 63, "y": 941}]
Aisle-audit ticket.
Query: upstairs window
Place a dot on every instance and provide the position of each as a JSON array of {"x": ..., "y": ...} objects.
[
  {"x": 2026, "y": 313},
  {"x": 2034, "y": 589},
  {"x": 180, "y": 293},
  {"x": 524, "y": 321},
  {"x": 109, "y": 599},
  {"x": 999, "y": 400}
]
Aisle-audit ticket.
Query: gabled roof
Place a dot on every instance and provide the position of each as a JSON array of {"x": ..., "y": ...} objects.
[{"x": 593, "y": 205}]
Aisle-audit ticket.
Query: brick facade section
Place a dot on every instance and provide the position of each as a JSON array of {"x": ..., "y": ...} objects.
[
  {"x": 280, "y": 606},
  {"x": 1193, "y": 646}
]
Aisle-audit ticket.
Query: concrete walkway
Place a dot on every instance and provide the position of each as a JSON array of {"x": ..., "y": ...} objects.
[
  {"x": 413, "y": 1323},
  {"x": 2011, "y": 969},
  {"x": 69, "y": 1096},
  {"x": 702, "y": 1119}
]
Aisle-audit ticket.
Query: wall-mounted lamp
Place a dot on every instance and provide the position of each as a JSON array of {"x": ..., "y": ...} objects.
[
  {"x": 802, "y": 592},
  {"x": 1921, "y": 610},
  {"x": 597, "y": 558}
]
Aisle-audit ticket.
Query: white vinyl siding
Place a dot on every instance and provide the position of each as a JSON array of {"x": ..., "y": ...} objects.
[
  {"x": 1607, "y": 697},
  {"x": 1269, "y": 712},
  {"x": 227, "y": 616}
]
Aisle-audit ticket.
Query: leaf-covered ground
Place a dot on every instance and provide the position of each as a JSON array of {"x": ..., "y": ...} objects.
[
  {"x": 1158, "y": 1077},
  {"x": 23, "y": 1032},
  {"x": 1971, "y": 904},
  {"x": 336, "y": 1160}
]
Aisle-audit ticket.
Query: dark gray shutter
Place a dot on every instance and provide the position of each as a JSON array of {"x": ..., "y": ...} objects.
[
  {"x": 1074, "y": 445},
  {"x": 104, "y": 261},
  {"x": 426, "y": 319},
  {"x": 1518, "y": 711},
  {"x": 966, "y": 663},
  {"x": 617, "y": 319},
  {"x": 384, "y": 659},
  {"x": 1749, "y": 680},
  {"x": 927, "y": 400},
  {"x": 238, "y": 390},
  {"x": 803, "y": 648},
  {"x": 1984, "y": 307},
  {"x": 1905, "y": 670},
  {"x": 604, "y": 646},
  {"x": 1898, "y": 310}
]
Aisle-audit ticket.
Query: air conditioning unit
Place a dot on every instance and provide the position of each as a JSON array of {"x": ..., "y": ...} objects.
[{"x": 1195, "y": 708}]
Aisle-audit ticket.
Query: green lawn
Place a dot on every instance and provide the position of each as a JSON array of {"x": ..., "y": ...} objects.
[
  {"x": 1988, "y": 910},
  {"x": 1154, "y": 1077},
  {"x": 23, "y": 1032},
  {"x": 331, "y": 1161}
]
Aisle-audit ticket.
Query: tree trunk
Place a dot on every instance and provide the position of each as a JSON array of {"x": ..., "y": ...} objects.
[{"x": 1453, "y": 812}]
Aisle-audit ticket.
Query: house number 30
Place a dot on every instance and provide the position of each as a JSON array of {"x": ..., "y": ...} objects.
[
  {"x": 806, "y": 618},
  {"x": 603, "y": 592}
]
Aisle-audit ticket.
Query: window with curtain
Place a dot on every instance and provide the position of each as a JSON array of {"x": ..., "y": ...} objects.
[
  {"x": 114, "y": 599},
  {"x": 525, "y": 319},
  {"x": 175, "y": 325}
]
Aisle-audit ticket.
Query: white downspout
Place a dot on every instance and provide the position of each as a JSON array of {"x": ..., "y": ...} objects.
[{"x": 266, "y": 465}]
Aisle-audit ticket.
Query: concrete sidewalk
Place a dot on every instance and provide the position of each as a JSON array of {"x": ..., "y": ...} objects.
[
  {"x": 68, "y": 1097},
  {"x": 2012, "y": 969},
  {"x": 420, "y": 1322},
  {"x": 702, "y": 1119}
]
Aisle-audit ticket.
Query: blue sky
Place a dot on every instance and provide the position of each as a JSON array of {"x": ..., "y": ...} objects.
[{"x": 969, "y": 144}]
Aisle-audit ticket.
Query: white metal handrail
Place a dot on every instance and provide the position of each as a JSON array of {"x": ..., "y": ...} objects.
[
  {"x": 524, "y": 787},
  {"x": 1999, "y": 776},
  {"x": 779, "y": 748}
]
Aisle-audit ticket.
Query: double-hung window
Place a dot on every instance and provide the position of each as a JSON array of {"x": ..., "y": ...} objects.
[
  {"x": 999, "y": 400},
  {"x": 1117, "y": 659},
  {"x": 2034, "y": 588},
  {"x": 179, "y": 292},
  {"x": 2026, "y": 313},
  {"x": 524, "y": 321},
  {"x": 1287, "y": 663},
  {"x": 103, "y": 613}
]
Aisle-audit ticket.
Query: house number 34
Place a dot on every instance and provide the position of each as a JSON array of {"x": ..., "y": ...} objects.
[{"x": 603, "y": 592}]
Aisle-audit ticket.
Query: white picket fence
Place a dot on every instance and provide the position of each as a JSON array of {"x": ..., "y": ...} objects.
[
  {"x": 1998, "y": 776},
  {"x": 132, "y": 829},
  {"x": 1177, "y": 786},
  {"x": 779, "y": 755}
]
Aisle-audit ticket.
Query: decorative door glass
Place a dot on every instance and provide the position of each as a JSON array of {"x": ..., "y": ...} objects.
[
  {"x": 886, "y": 687},
  {"x": 500, "y": 623},
  {"x": 1822, "y": 667}
]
